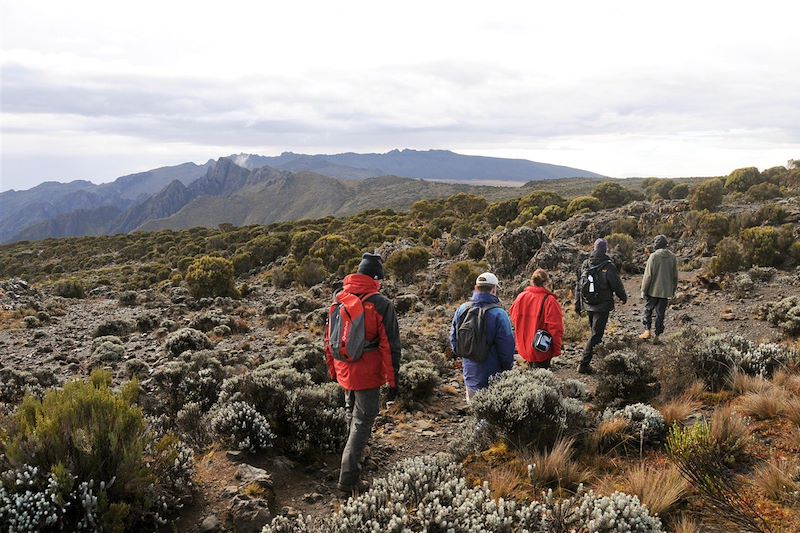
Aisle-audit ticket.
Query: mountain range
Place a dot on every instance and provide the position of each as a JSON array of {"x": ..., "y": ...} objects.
[{"x": 252, "y": 189}]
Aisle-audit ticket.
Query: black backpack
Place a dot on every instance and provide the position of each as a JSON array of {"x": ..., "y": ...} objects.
[
  {"x": 471, "y": 333},
  {"x": 592, "y": 283}
]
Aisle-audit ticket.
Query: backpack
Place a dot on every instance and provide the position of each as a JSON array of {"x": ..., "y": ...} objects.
[
  {"x": 471, "y": 333},
  {"x": 590, "y": 284},
  {"x": 345, "y": 335}
]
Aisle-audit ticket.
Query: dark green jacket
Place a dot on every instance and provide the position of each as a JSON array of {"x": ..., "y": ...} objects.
[{"x": 660, "y": 275}]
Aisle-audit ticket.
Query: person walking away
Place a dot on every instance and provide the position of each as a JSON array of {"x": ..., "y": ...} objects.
[
  {"x": 658, "y": 286},
  {"x": 598, "y": 282},
  {"x": 537, "y": 310},
  {"x": 362, "y": 350},
  {"x": 481, "y": 335}
]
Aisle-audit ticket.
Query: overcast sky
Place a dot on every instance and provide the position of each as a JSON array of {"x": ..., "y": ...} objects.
[{"x": 95, "y": 90}]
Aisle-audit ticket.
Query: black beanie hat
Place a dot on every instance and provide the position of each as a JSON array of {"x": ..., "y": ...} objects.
[
  {"x": 660, "y": 242},
  {"x": 371, "y": 266}
]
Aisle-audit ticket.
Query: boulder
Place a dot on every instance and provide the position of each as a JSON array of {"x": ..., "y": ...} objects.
[{"x": 508, "y": 251}]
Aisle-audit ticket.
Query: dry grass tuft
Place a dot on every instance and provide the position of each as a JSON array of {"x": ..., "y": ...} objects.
[
  {"x": 791, "y": 409},
  {"x": 505, "y": 481},
  {"x": 695, "y": 391},
  {"x": 776, "y": 478},
  {"x": 556, "y": 468},
  {"x": 789, "y": 381},
  {"x": 660, "y": 490},
  {"x": 686, "y": 525},
  {"x": 610, "y": 433},
  {"x": 764, "y": 405},
  {"x": 729, "y": 431},
  {"x": 678, "y": 410},
  {"x": 744, "y": 384}
]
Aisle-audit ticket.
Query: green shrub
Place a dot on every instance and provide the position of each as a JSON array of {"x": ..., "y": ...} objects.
[
  {"x": 334, "y": 251},
  {"x": 707, "y": 195},
  {"x": 661, "y": 188},
  {"x": 405, "y": 263},
  {"x": 626, "y": 225},
  {"x": 210, "y": 276},
  {"x": 461, "y": 278},
  {"x": 302, "y": 242},
  {"x": 87, "y": 435},
  {"x": 464, "y": 204},
  {"x": 612, "y": 194},
  {"x": 714, "y": 227},
  {"x": 679, "y": 191},
  {"x": 554, "y": 213},
  {"x": 242, "y": 263},
  {"x": 763, "y": 191},
  {"x": 538, "y": 201},
  {"x": 625, "y": 377},
  {"x": 68, "y": 288},
  {"x": 583, "y": 204},
  {"x": 770, "y": 214},
  {"x": 761, "y": 246},
  {"x": 476, "y": 250},
  {"x": 501, "y": 213},
  {"x": 267, "y": 248},
  {"x": 310, "y": 272},
  {"x": 742, "y": 179},
  {"x": 728, "y": 257},
  {"x": 419, "y": 380},
  {"x": 621, "y": 246}
]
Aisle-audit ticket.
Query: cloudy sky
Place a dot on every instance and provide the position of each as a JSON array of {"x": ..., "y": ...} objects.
[{"x": 95, "y": 90}]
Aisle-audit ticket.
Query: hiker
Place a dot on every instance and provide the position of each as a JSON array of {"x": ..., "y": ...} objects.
[
  {"x": 481, "y": 335},
  {"x": 658, "y": 286},
  {"x": 362, "y": 349},
  {"x": 538, "y": 322},
  {"x": 598, "y": 282}
]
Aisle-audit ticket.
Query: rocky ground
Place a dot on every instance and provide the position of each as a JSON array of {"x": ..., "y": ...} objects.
[{"x": 58, "y": 346}]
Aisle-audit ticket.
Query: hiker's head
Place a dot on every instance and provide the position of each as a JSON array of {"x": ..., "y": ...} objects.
[
  {"x": 487, "y": 282},
  {"x": 601, "y": 246},
  {"x": 539, "y": 278},
  {"x": 660, "y": 242},
  {"x": 371, "y": 265}
]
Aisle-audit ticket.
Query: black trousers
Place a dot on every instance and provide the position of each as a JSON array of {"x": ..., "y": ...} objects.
[
  {"x": 597, "y": 322},
  {"x": 659, "y": 305},
  {"x": 543, "y": 364}
]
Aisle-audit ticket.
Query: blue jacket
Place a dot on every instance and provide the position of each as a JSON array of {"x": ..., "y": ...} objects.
[{"x": 501, "y": 343}]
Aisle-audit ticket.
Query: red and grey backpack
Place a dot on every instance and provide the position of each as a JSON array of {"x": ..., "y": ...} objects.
[{"x": 345, "y": 335}]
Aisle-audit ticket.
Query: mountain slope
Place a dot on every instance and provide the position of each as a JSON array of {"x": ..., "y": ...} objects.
[
  {"x": 428, "y": 164},
  {"x": 77, "y": 223}
]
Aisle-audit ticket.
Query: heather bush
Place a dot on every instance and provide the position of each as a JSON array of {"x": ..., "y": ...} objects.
[
  {"x": 706, "y": 195},
  {"x": 501, "y": 213},
  {"x": 679, "y": 191},
  {"x": 92, "y": 442},
  {"x": 583, "y": 204},
  {"x": 461, "y": 278},
  {"x": 714, "y": 227},
  {"x": 128, "y": 298},
  {"x": 242, "y": 425},
  {"x": 785, "y": 314},
  {"x": 762, "y": 246},
  {"x": 476, "y": 250},
  {"x": 108, "y": 349},
  {"x": 302, "y": 241},
  {"x": 612, "y": 194},
  {"x": 621, "y": 246},
  {"x": 625, "y": 377},
  {"x": 208, "y": 277},
  {"x": 728, "y": 257},
  {"x": 265, "y": 249},
  {"x": 419, "y": 380},
  {"x": 310, "y": 272},
  {"x": 644, "y": 424},
  {"x": 195, "y": 379},
  {"x": 334, "y": 251},
  {"x": 69, "y": 288},
  {"x": 741, "y": 179},
  {"x": 405, "y": 263},
  {"x": 761, "y": 192},
  {"x": 528, "y": 407},
  {"x": 186, "y": 339}
]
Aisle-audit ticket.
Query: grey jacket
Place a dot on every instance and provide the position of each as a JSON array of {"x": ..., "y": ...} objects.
[{"x": 660, "y": 275}]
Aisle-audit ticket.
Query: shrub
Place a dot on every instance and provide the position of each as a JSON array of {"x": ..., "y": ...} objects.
[
  {"x": 537, "y": 201},
  {"x": 785, "y": 314},
  {"x": 95, "y": 443},
  {"x": 625, "y": 377},
  {"x": 265, "y": 249},
  {"x": 528, "y": 408},
  {"x": 716, "y": 358},
  {"x": 461, "y": 278},
  {"x": 69, "y": 288},
  {"x": 310, "y": 272},
  {"x": 626, "y": 225},
  {"x": 405, "y": 263},
  {"x": 622, "y": 246},
  {"x": 186, "y": 339},
  {"x": 210, "y": 276},
  {"x": 728, "y": 258},
  {"x": 643, "y": 423},
  {"x": 334, "y": 251},
  {"x": 706, "y": 195},
  {"x": 501, "y": 213},
  {"x": 242, "y": 263},
  {"x": 302, "y": 242},
  {"x": 583, "y": 204},
  {"x": 679, "y": 191},
  {"x": 765, "y": 360},
  {"x": 476, "y": 250},
  {"x": 128, "y": 298},
  {"x": 741, "y": 179},
  {"x": 554, "y": 213},
  {"x": 419, "y": 380},
  {"x": 466, "y": 204},
  {"x": 110, "y": 349},
  {"x": 242, "y": 425},
  {"x": 15, "y": 384},
  {"x": 612, "y": 194},
  {"x": 763, "y": 191},
  {"x": 714, "y": 227},
  {"x": 761, "y": 246}
]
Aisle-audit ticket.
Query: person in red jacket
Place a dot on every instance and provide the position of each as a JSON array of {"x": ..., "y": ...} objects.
[
  {"x": 362, "y": 379},
  {"x": 537, "y": 308}
]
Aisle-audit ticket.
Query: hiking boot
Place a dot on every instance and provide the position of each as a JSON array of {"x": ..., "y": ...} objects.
[
  {"x": 585, "y": 369},
  {"x": 645, "y": 335},
  {"x": 353, "y": 490}
]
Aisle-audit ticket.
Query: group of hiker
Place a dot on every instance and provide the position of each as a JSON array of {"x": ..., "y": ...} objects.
[{"x": 363, "y": 349}]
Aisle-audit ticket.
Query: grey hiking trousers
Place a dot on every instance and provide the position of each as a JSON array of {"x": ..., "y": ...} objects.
[{"x": 362, "y": 409}]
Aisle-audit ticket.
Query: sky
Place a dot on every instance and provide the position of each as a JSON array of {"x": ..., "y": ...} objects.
[{"x": 97, "y": 89}]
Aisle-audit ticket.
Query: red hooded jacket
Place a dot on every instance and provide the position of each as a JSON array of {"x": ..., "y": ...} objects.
[
  {"x": 525, "y": 315},
  {"x": 375, "y": 367}
]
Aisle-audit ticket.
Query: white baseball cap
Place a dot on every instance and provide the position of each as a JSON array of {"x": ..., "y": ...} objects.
[{"x": 487, "y": 278}]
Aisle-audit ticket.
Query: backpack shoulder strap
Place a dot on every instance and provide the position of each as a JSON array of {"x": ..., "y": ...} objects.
[{"x": 541, "y": 309}]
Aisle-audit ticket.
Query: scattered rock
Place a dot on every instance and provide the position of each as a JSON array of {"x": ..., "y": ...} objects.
[
  {"x": 509, "y": 250},
  {"x": 210, "y": 524}
]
